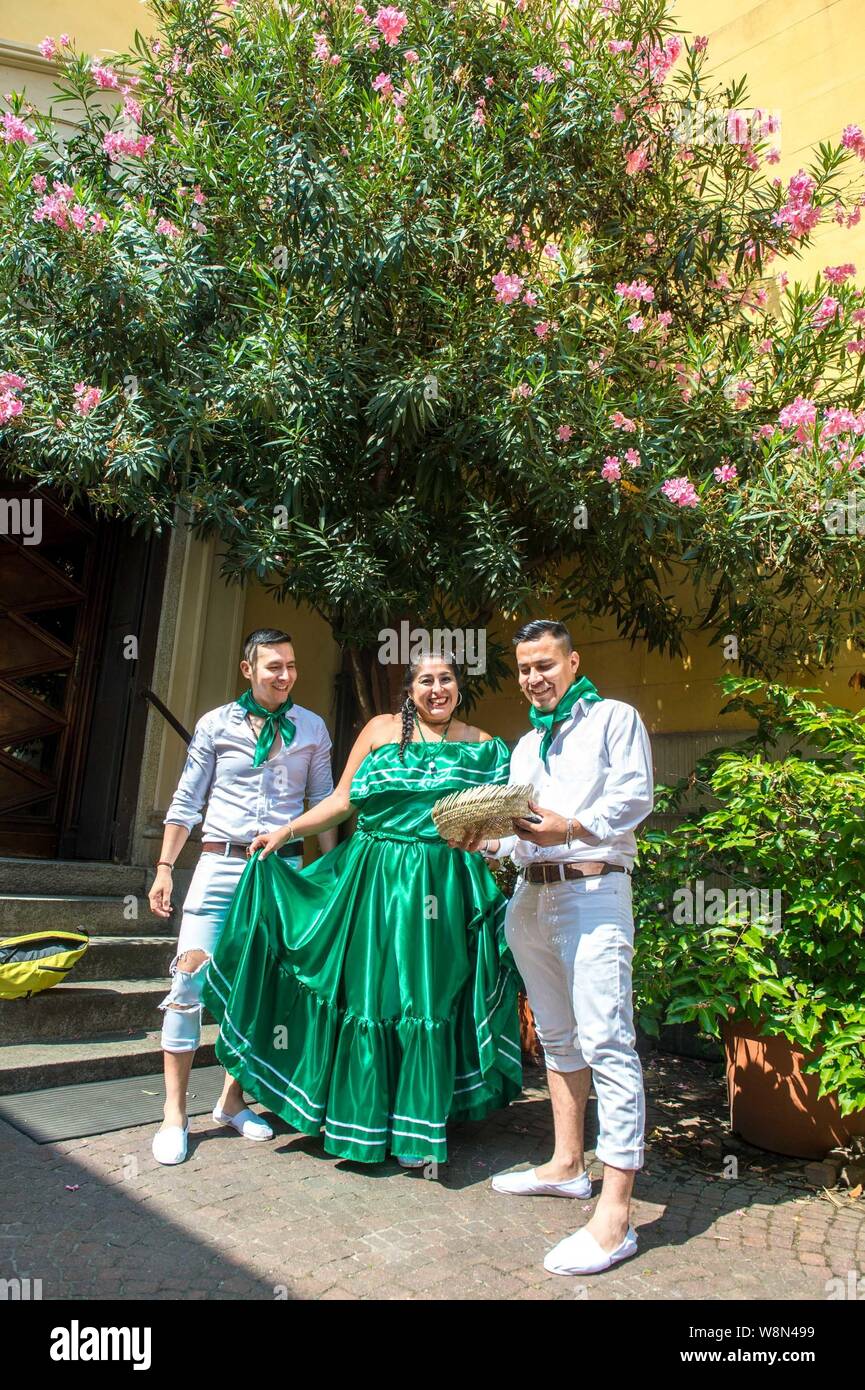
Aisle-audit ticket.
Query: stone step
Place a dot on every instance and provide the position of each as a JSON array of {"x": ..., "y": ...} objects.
[
  {"x": 96, "y": 915},
  {"x": 124, "y": 958},
  {"x": 76, "y": 1012},
  {"x": 37, "y": 1066},
  {"x": 71, "y": 876}
]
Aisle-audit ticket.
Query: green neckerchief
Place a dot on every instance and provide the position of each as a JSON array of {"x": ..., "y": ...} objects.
[
  {"x": 273, "y": 719},
  {"x": 548, "y": 719}
]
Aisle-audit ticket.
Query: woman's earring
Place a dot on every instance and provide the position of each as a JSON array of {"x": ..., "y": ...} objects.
[
  {"x": 459, "y": 700},
  {"x": 409, "y": 704}
]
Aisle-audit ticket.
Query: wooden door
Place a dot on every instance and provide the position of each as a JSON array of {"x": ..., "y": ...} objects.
[{"x": 52, "y": 600}]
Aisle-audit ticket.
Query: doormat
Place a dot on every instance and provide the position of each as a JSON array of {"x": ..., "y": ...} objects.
[{"x": 97, "y": 1107}]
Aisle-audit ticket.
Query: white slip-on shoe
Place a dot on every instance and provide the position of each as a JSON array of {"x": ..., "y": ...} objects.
[
  {"x": 581, "y": 1254},
  {"x": 246, "y": 1122},
  {"x": 169, "y": 1144},
  {"x": 527, "y": 1184},
  {"x": 412, "y": 1162}
]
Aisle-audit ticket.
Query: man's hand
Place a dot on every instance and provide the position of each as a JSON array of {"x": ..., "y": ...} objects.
[
  {"x": 268, "y": 844},
  {"x": 552, "y": 830},
  {"x": 159, "y": 896}
]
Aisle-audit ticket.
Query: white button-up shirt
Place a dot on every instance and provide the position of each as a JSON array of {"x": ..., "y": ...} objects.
[
  {"x": 598, "y": 772},
  {"x": 242, "y": 800}
]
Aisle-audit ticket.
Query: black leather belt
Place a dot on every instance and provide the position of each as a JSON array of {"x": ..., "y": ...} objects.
[{"x": 555, "y": 873}]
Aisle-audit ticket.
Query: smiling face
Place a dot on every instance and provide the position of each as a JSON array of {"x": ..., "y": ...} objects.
[
  {"x": 273, "y": 674},
  {"x": 435, "y": 690},
  {"x": 546, "y": 669}
]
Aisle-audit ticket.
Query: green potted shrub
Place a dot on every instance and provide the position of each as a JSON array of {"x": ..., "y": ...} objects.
[{"x": 750, "y": 917}]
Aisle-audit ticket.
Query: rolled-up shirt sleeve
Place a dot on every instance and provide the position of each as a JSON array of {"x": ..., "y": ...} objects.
[
  {"x": 193, "y": 789},
  {"x": 319, "y": 781},
  {"x": 628, "y": 790}
]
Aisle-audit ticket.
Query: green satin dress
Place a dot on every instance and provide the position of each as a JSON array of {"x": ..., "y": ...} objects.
[{"x": 372, "y": 994}]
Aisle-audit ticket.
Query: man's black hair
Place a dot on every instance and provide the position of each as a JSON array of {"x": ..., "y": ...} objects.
[
  {"x": 262, "y": 637},
  {"x": 543, "y": 627}
]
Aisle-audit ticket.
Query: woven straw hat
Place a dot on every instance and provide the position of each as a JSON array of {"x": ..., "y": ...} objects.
[{"x": 486, "y": 811}]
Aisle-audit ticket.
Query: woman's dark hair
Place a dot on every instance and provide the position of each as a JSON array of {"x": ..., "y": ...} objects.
[{"x": 407, "y": 708}]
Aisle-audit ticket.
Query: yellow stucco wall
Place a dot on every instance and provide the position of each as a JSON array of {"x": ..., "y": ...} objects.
[{"x": 803, "y": 59}]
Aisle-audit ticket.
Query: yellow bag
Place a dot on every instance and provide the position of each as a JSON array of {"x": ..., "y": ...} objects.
[{"x": 37, "y": 960}]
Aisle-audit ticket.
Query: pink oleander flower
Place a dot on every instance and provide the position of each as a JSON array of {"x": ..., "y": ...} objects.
[
  {"x": 199, "y": 227},
  {"x": 78, "y": 216},
  {"x": 621, "y": 422},
  {"x": 132, "y": 110},
  {"x": 612, "y": 469},
  {"x": 700, "y": 43},
  {"x": 10, "y": 407},
  {"x": 665, "y": 318},
  {"x": 524, "y": 389},
  {"x": 619, "y": 45},
  {"x": 825, "y": 312},
  {"x": 637, "y": 290},
  {"x": 798, "y": 214},
  {"x": 479, "y": 115},
  {"x": 773, "y": 156},
  {"x": 411, "y": 55},
  {"x": 681, "y": 491},
  {"x": 49, "y": 48},
  {"x": 14, "y": 130},
  {"x": 800, "y": 414},
  {"x": 855, "y": 345},
  {"x": 87, "y": 398},
  {"x": 104, "y": 76},
  {"x": 853, "y": 139},
  {"x": 543, "y": 328},
  {"x": 399, "y": 98},
  {"x": 530, "y": 298},
  {"x": 542, "y": 73},
  {"x": 765, "y": 345},
  {"x": 165, "y": 227},
  {"x": 726, "y": 473},
  {"x": 65, "y": 41},
  {"x": 198, "y": 197},
  {"x": 764, "y": 432},
  {"x": 383, "y": 84},
  {"x": 507, "y": 287},
  {"x": 513, "y": 242},
  {"x": 39, "y": 183},
  {"x": 116, "y": 144},
  {"x": 636, "y": 323},
  {"x": 489, "y": 82},
  {"x": 225, "y": 50},
  {"x": 11, "y": 381},
  {"x": 633, "y": 457},
  {"x": 564, "y": 433},
  {"x": 837, "y": 274},
  {"x": 390, "y": 23},
  {"x": 374, "y": 44},
  {"x": 97, "y": 222},
  {"x": 618, "y": 113},
  {"x": 321, "y": 47},
  {"x": 551, "y": 250},
  {"x": 636, "y": 160}
]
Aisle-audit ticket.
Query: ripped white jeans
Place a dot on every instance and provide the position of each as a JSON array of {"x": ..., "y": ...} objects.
[{"x": 205, "y": 909}]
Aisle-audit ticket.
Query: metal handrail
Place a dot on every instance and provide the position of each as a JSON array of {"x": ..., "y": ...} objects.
[{"x": 157, "y": 704}]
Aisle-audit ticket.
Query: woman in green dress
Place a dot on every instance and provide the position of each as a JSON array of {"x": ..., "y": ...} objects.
[{"x": 372, "y": 995}]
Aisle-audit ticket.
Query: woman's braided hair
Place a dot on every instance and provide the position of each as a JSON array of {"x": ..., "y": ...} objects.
[{"x": 408, "y": 708}]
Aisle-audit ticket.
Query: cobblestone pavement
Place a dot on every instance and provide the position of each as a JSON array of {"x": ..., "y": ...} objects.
[{"x": 97, "y": 1218}]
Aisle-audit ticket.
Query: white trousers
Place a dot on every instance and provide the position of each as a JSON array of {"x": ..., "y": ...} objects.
[
  {"x": 573, "y": 944},
  {"x": 205, "y": 910}
]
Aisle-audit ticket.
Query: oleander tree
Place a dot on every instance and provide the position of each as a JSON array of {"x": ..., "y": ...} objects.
[{"x": 443, "y": 312}]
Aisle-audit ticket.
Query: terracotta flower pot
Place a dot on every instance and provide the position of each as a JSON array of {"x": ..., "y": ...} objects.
[{"x": 774, "y": 1103}]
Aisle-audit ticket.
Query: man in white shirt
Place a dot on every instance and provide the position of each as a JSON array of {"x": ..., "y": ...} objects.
[
  {"x": 570, "y": 928},
  {"x": 253, "y": 762}
]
